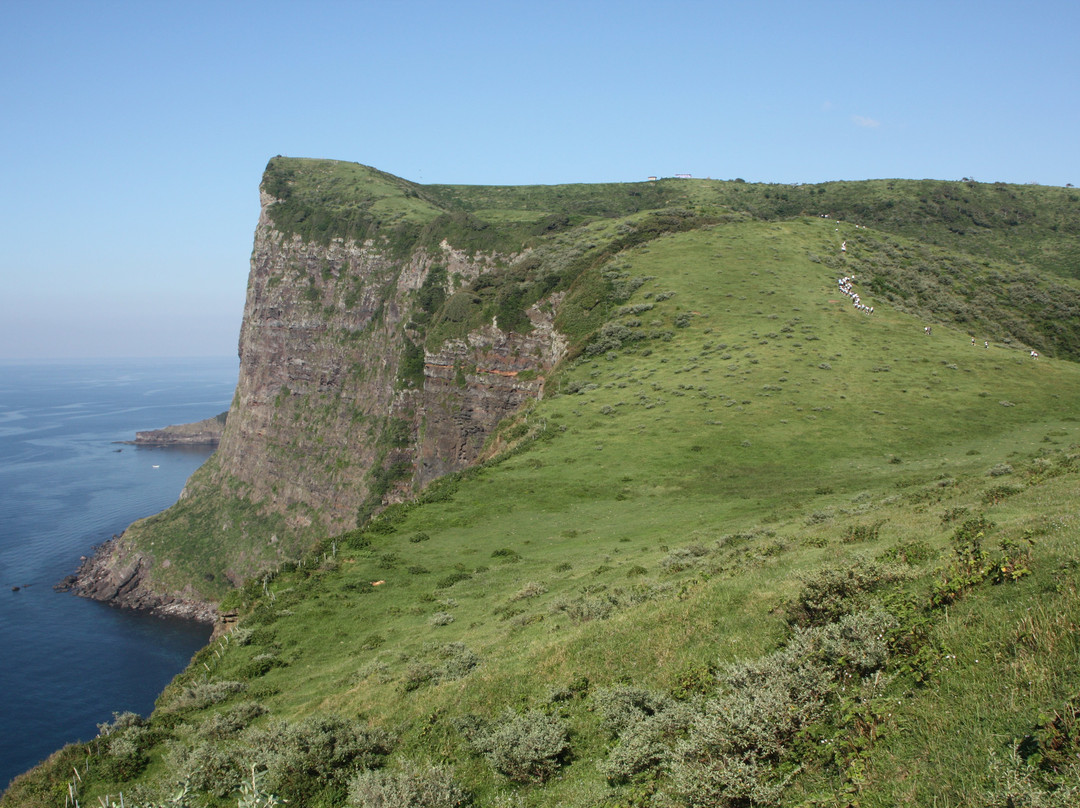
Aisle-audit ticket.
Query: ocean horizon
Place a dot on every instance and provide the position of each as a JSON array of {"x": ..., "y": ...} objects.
[{"x": 67, "y": 484}]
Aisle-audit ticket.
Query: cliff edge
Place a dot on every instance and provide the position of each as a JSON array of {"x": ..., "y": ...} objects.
[{"x": 373, "y": 359}]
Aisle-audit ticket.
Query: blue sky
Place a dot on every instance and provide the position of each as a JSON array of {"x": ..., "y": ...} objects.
[{"x": 134, "y": 134}]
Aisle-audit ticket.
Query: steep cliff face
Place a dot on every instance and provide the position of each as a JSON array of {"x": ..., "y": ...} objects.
[
  {"x": 346, "y": 401},
  {"x": 319, "y": 353},
  {"x": 471, "y": 384},
  {"x": 321, "y": 397}
]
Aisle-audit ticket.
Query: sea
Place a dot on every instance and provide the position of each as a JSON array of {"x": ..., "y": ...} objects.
[{"x": 67, "y": 483}]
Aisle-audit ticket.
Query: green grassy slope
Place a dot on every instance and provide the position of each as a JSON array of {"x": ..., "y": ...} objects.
[
  {"x": 322, "y": 199},
  {"x": 737, "y": 431}
]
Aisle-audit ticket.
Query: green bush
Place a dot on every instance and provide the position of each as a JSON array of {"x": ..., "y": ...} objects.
[
  {"x": 735, "y": 748},
  {"x": 203, "y": 694},
  {"x": 970, "y": 564},
  {"x": 451, "y": 579},
  {"x": 858, "y": 643},
  {"x": 310, "y": 762},
  {"x": 1015, "y": 783},
  {"x": 417, "y": 675},
  {"x": 953, "y": 514},
  {"x": 912, "y": 551},
  {"x": 525, "y": 748},
  {"x": 861, "y": 533},
  {"x": 457, "y": 661},
  {"x": 999, "y": 493},
  {"x": 683, "y": 558},
  {"x": 208, "y": 767},
  {"x": 619, "y": 707},
  {"x": 647, "y": 741},
  {"x": 127, "y": 754},
  {"x": 837, "y": 590},
  {"x": 229, "y": 724},
  {"x": 584, "y": 608},
  {"x": 410, "y": 786},
  {"x": 259, "y": 665},
  {"x": 532, "y": 589}
]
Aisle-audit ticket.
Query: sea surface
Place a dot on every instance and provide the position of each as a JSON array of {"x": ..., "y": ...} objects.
[{"x": 66, "y": 485}]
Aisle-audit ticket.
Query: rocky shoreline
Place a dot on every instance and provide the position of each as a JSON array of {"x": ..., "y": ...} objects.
[
  {"x": 201, "y": 433},
  {"x": 116, "y": 575}
]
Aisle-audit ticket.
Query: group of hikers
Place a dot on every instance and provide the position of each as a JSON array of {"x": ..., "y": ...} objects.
[{"x": 845, "y": 287}]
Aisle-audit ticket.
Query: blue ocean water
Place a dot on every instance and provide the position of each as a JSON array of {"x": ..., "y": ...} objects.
[{"x": 65, "y": 486}]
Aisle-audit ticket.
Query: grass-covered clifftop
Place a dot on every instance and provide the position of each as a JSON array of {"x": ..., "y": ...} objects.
[{"x": 754, "y": 546}]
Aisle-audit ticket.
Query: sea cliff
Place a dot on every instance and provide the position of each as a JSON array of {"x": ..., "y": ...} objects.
[{"x": 348, "y": 396}]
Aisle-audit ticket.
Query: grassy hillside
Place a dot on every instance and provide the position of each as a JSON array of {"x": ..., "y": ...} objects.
[{"x": 754, "y": 546}]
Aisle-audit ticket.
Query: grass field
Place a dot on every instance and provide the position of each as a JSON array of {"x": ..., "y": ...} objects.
[{"x": 658, "y": 520}]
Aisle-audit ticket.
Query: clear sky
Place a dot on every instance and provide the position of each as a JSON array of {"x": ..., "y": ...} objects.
[{"x": 133, "y": 134}]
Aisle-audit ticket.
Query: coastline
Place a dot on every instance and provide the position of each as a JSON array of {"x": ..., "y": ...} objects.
[
  {"x": 201, "y": 433},
  {"x": 115, "y": 575}
]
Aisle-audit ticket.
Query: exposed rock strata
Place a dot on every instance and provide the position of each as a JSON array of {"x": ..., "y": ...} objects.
[
  {"x": 201, "y": 433},
  {"x": 324, "y": 334}
]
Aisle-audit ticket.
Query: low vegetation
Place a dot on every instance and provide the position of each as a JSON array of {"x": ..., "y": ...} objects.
[{"x": 754, "y": 546}]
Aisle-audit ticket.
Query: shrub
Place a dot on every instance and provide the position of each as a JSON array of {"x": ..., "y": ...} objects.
[
  {"x": 999, "y": 493},
  {"x": 532, "y": 589},
  {"x": 120, "y": 722},
  {"x": 355, "y": 540},
  {"x": 127, "y": 752},
  {"x": 953, "y": 514},
  {"x": 1000, "y": 470},
  {"x": 457, "y": 661},
  {"x": 683, "y": 558},
  {"x": 970, "y": 565},
  {"x": 452, "y": 579},
  {"x": 585, "y": 608},
  {"x": 1054, "y": 747},
  {"x": 310, "y": 761},
  {"x": 912, "y": 551},
  {"x": 1018, "y": 784},
  {"x": 259, "y": 665},
  {"x": 207, "y": 767},
  {"x": 525, "y": 748},
  {"x": 647, "y": 742},
  {"x": 441, "y": 619},
  {"x": 229, "y": 724},
  {"x": 860, "y": 533},
  {"x": 835, "y": 591},
  {"x": 418, "y": 675},
  {"x": 204, "y": 694},
  {"x": 411, "y": 786},
  {"x": 619, "y": 707},
  {"x": 693, "y": 680},
  {"x": 1013, "y": 563},
  {"x": 732, "y": 751},
  {"x": 859, "y": 642}
]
